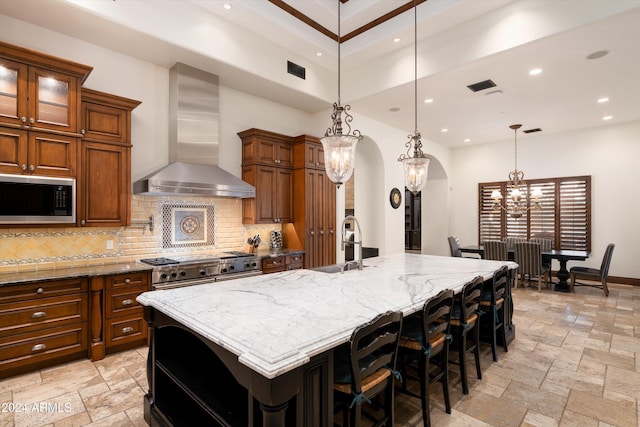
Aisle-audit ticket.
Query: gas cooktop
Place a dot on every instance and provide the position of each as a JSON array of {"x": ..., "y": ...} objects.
[{"x": 191, "y": 259}]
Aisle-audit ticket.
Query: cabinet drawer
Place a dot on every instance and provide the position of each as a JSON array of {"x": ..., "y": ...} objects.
[
  {"x": 273, "y": 265},
  {"x": 119, "y": 303},
  {"x": 294, "y": 259},
  {"x": 39, "y": 346},
  {"x": 294, "y": 266},
  {"x": 26, "y": 316},
  {"x": 121, "y": 330},
  {"x": 39, "y": 290},
  {"x": 129, "y": 280}
]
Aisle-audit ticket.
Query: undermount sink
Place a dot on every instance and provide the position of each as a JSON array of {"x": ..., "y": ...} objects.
[{"x": 337, "y": 268}]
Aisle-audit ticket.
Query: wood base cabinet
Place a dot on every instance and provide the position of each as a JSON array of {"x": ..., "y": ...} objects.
[
  {"x": 282, "y": 263},
  {"x": 105, "y": 185},
  {"x": 124, "y": 324},
  {"x": 42, "y": 324}
]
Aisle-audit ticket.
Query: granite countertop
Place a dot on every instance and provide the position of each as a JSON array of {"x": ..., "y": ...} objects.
[
  {"x": 107, "y": 269},
  {"x": 69, "y": 273},
  {"x": 277, "y": 322}
]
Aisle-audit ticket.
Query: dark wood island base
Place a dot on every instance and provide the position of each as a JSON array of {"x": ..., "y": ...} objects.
[{"x": 193, "y": 381}]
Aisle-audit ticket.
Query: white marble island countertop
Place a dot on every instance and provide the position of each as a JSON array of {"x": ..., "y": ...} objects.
[{"x": 277, "y": 322}]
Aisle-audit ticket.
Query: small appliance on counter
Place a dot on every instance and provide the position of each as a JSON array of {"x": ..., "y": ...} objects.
[{"x": 276, "y": 240}]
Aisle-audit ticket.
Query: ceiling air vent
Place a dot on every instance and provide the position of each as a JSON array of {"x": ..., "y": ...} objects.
[
  {"x": 486, "y": 84},
  {"x": 296, "y": 70},
  {"x": 532, "y": 130}
]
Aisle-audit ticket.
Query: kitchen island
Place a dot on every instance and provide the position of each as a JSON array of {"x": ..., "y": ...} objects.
[{"x": 259, "y": 350}]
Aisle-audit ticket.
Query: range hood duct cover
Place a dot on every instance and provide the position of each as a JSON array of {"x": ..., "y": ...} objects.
[{"x": 193, "y": 142}]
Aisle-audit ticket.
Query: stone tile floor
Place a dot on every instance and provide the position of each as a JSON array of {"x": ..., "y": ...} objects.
[{"x": 575, "y": 362}]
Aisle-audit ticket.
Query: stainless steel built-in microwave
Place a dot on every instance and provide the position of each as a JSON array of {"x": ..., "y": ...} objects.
[{"x": 32, "y": 199}]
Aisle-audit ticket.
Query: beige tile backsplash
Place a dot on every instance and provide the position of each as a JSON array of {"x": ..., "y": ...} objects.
[{"x": 23, "y": 249}]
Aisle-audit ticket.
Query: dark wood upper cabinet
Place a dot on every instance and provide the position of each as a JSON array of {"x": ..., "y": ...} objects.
[
  {"x": 267, "y": 161},
  {"x": 104, "y": 187}
]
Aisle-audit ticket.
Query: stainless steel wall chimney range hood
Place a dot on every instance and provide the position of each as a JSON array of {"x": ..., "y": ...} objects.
[{"x": 193, "y": 142}]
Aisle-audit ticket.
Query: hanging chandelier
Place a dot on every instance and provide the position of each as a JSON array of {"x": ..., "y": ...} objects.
[
  {"x": 517, "y": 204},
  {"x": 340, "y": 148},
  {"x": 416, "y": 166}
]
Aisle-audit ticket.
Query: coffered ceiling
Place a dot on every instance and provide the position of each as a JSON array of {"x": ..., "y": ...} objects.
[{"x": 460, "y": 42}]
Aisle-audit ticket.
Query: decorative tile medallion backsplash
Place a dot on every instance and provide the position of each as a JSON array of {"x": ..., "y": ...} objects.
[{"x": 185, "y": 225}]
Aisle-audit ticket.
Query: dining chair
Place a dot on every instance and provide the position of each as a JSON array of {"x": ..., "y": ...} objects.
[
  {"x": 495, "y": 250},
  {"x": 492, "y": 303},
  {"x": 528, "y": 256},
  {"x": 511, "y": 241},
  {"x": 546, "y": 245},
  {"x": 586, "y": 273},
  {"x": 425, "y": 339},
  {"x": 454, "y": 247},
  {"x": 465, "y": 327},
  {"x": 365, "y": 368}
]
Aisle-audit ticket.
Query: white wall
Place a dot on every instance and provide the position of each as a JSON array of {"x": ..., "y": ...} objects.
[
  {"x": 609, "y": 154},
  {"x": 370, "y": 193}
]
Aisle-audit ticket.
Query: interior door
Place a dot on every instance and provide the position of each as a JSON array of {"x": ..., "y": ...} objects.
[{"x": 412, "y": 221}]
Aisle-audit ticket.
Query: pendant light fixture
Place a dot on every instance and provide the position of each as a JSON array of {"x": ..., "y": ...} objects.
[
  {"x": 518, "y": 205},
  {"x": 416, "y": 167},
  {"x": 340, "y": 148}
]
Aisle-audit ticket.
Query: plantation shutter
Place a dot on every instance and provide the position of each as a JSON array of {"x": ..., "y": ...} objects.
[
  {"x": 564, "y": 217},
  {"x": 490, "y": 219},
  {"x": 575, "y": 214},
  {"x": 543, "y": 221}
]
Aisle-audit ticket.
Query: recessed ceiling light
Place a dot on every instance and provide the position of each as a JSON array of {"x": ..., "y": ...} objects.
[
  {"x": 603, "y": 100},
  {"x": 535, "y": 71},
  {"x": 607, "y": 118},
  {"x": 598, "y": 54},
  {"x": 428, "y": 101},
  {"x": 467, "y": 140},
  {"x": 227, "y": 5},
  {"x": 396, "y": 39},
  {"x": 394, "y": 109},
  {"x": 443, "y": 130},
  {"x": 318, "y": 53}
]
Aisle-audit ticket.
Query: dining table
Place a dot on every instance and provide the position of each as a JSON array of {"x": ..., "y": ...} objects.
[{"x": 562, "y": 255}]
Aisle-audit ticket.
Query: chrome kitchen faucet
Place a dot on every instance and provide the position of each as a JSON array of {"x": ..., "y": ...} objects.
[{"x": 355, "y": 242}]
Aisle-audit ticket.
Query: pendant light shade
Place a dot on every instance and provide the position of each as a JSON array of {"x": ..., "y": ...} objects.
[
  {"x": 339, "y": 148},
  {"x": 415, "y": 171},
  {"x": 339, "y": 157},
  {"x": 416, "y": 166}
]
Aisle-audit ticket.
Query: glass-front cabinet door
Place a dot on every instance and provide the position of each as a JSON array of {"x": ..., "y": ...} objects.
[
  {"x": 36, "y": 98},
  {"x": 13, "y": 93},
  {"x": 52, "y": 99}
]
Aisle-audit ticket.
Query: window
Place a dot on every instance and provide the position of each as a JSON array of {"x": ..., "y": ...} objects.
[{"x": 564, "y": 217}]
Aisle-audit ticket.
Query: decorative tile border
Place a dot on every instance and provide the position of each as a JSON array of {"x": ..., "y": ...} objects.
[{"x": 34, "y": 241}]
